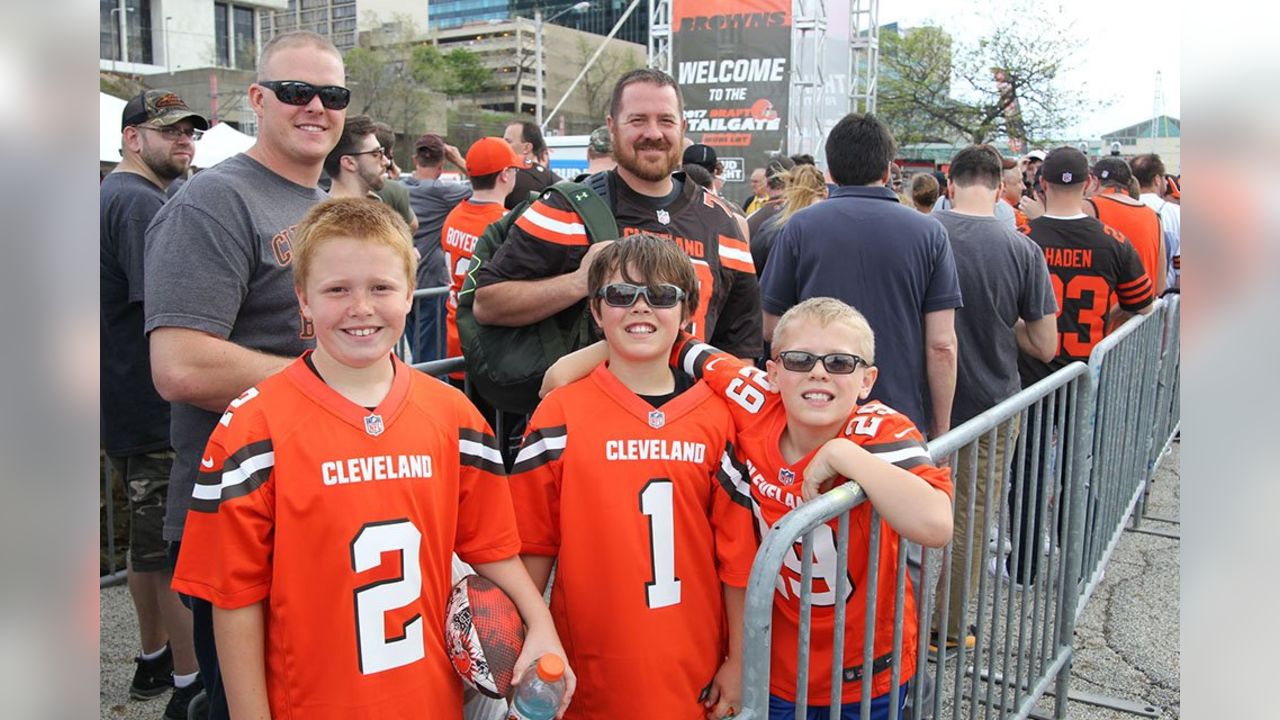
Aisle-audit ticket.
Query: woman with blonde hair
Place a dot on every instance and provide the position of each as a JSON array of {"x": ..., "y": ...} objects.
[{"x": 805, "y": 186}]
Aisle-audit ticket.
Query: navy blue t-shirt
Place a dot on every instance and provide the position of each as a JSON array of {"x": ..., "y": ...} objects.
[
  {"x": 889, "y": 261},
  {"x": 135, "y": 419}
]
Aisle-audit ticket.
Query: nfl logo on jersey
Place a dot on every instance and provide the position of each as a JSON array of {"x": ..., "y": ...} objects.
[
  {"x": 373, "y": 425},
  {"x": 786, "y": 476},
  {"x": 657, "y": 419}
]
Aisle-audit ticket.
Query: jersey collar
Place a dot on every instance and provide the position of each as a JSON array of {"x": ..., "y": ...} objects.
[{"x": 316, "y": 389}]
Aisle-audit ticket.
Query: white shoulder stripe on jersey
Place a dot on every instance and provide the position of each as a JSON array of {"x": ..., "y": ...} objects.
[
  {"x": 231, "y": 478},
  {"x": 479, "y": 450},
  {"x": 545, "y": 445},
  {"x": 735, "y": 254},
  {"x": 556, "y": 226},
  {"x": 691, "y": 355},
  {"x": 735, "y": 474},
  {"x": 897, "y": 456}
]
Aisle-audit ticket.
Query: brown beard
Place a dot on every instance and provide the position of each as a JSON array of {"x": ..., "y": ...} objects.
[{"x": 629, "y": 158}]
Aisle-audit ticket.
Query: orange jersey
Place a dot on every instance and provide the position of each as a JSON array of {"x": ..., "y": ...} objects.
[
  {"x": 775, "y": 489},
  {"x": 342, "y": 521},
  {"x": 1139, "y": 223},
  {"x": 462, "y": 228},
  {"x": 647, "y": 511},
  {"x": 1019, "y": 218}
]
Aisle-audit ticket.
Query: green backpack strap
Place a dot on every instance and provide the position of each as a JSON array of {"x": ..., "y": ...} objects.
[
  {"x": 596, "y": 214},
  {"x": 597, "y": 219}
]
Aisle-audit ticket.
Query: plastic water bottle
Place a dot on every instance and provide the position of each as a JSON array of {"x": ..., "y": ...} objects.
[{"x": 538, "y": 694}]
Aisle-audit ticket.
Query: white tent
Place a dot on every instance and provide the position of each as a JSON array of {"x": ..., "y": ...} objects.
[
  {"x": 110, "y": 110},
  {"x": 219, "y": 143}
]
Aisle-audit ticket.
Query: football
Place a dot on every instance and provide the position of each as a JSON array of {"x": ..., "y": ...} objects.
[{"x": 483, "y": 633}]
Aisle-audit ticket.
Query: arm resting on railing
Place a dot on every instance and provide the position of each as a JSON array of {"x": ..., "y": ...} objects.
[{"x": 918, "y": 511}]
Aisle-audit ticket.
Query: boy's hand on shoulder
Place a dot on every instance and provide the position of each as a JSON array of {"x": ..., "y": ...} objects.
[
  {"x": 542, "y": 640},
  {"x": 831, "y": 461},
  {"x": 574, "y": 366},
  {"x": 724, "y": 695}
]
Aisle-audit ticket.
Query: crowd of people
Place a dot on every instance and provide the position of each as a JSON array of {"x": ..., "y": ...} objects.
[{"x": 301, "y": 500}]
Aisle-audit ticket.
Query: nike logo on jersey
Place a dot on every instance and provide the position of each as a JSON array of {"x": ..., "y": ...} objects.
[
  {"x": 206, "y": 463},
  {"x": 902, "y": 433}
]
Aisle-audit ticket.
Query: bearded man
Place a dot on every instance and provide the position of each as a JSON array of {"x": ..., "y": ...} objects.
[{"x": 542, "y": 267}]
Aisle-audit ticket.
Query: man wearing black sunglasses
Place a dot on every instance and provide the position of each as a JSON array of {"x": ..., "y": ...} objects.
[
  {"x": 220, "y": 305},
  {"x": 356, "y": 164}
]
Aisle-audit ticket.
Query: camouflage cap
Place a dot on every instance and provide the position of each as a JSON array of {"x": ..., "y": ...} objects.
[
  {"x": 600, "y": 141},
  {"x": 160, "y": 108}
]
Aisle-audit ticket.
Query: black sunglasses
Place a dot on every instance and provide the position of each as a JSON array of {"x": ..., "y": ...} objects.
[
  {"x": 296, "y": 92},
  {"x": 624, "y": 295},
  {"x": 835, "y": 363}
]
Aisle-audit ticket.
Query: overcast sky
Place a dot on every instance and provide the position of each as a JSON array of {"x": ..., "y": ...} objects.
[{"x": 1110, "y": 65}]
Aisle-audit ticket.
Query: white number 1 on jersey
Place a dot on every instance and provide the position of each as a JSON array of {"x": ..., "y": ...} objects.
[{"x": 656, "y": 502}]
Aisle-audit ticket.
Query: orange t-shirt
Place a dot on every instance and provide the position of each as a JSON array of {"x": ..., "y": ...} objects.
[
  {"x": 462, "y": 228},
  {"x": 343, "y": 521},
  {"x": 1137, "y": 222}
]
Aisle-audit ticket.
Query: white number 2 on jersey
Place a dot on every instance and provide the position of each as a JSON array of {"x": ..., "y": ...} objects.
[
  {"x": 376, "y": 652},
  {"x": 656, "y": 502}
]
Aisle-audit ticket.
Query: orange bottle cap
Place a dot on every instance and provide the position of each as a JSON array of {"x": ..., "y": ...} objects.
[{"x": 550, "y": 667}]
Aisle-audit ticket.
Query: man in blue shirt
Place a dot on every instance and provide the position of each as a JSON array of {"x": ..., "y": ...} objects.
[{"x": 883, "y": 258}]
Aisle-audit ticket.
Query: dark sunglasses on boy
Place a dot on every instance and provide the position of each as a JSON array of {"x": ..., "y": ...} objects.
[
  {"x": 624, "y": 295},
  {"x": 296, "y": 92},
  {"x": 835, "y": 363}
]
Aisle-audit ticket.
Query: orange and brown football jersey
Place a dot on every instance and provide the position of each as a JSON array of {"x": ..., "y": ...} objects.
[
  {"x": 646, "y": 510},
  {"x": 462, "y": 228},
  {"x": 1137, "y": 222},
  {"x": 775, "y": 489},
  {"x": 342, "y": 521}
]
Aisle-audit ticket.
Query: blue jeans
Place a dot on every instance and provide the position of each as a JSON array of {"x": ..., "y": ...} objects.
[
  {"x": 780, "y": 709},
  {"x": 206, "y": 650},
  {"x": 426, "y": 326}
]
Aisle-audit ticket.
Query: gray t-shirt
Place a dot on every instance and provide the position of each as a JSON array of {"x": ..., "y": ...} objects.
[
  {"x": 1003, "y": 277},
  {"x": 432, "y": 200},
  {"x": 218, "y": 260}
]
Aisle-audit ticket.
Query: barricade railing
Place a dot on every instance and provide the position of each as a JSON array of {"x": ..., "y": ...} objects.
[
  {"x": 1128, "y": 368},
  {"x": 1168, "y": 406},
  {"x": 1076, "y": 452}
]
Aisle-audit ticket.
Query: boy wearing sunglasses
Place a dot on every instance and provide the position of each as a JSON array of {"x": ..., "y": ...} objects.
[
  {"x": 802, "y": 429},
  {"x": 628, "y": 479}
]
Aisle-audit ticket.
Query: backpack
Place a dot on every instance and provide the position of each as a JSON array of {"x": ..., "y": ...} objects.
[{"x": 506, "y": 364}]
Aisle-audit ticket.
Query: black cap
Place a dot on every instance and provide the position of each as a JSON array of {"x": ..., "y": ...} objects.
[
  {"x": 1065, "y": 166},
  {"x": 160, "y": 108},
  {"x": 1113, "y": 170},
  {"x": 699, "y": 154}
]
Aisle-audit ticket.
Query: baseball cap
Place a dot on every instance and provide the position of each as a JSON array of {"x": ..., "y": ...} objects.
[
  {"x": 1034, "y": 155},
  {"x": 432, "y": 143},
  {"x": 1112, "y": 169},
  {"x": 160, "y": 108},
  {"x": 1065, "y": 166},
  {"x": 490, "y": 155},
  {"x": 699, "y": 154},
  {"x": 600, "y": 140}
]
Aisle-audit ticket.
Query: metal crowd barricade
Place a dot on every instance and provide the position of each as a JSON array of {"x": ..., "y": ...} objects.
[
  {"x": 1022, "y": 639},
  {"x": 1168, "y": 408},
  {"x": 1126, "y": 370},
  {"x": 1080, "y": 447}
]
